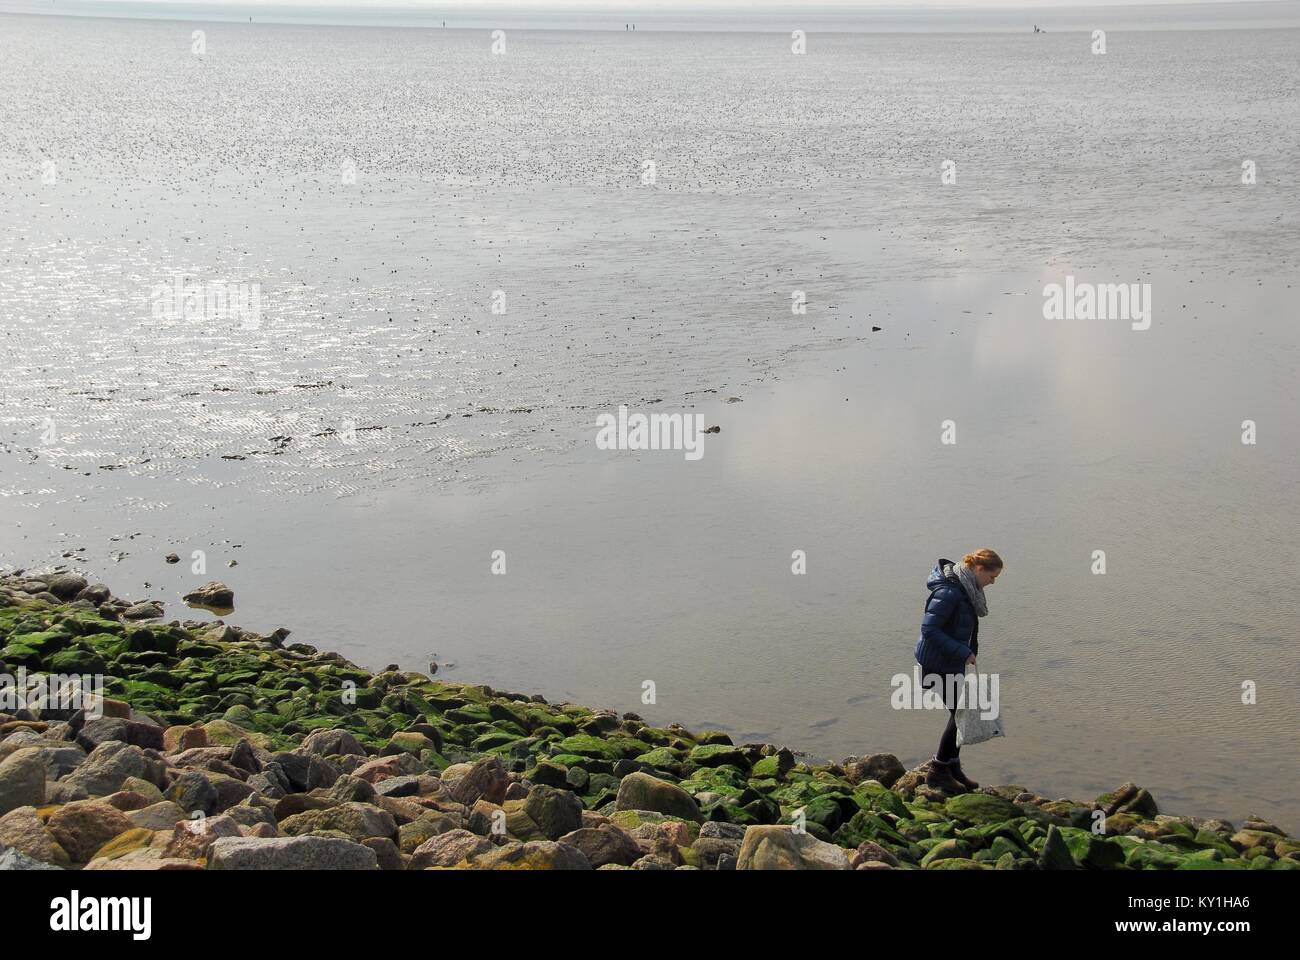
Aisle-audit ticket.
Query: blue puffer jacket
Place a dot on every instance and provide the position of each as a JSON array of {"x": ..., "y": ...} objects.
[{"x": 949, "y": 628}]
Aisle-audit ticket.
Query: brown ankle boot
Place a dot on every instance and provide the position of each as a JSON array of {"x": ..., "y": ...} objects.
[
  {"x": 954, "y": 768},
  {"x": 939, "y": 776}
]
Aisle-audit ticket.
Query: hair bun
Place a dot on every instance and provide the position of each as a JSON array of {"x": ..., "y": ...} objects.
[{"x": 984, "y": 557}]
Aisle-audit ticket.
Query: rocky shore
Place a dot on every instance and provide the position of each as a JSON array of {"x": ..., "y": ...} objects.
[{"x": 222, "y": 749}]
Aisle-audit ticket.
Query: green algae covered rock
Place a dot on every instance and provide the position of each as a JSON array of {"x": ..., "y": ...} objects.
[
  {"x": 980, "y": 808},
  {"x": 82, "y": 660},
  {"x": 663, "y": 758},
  {"x": 718, "y": 754},
  {"x": 224, "y": 733},
  {"x": 632, "y": 820},
  {"x": 946, "y": 849},
  {"x": 776, "y": 766},
  {"x": 585, "y": 745},
  {"x": 1154, "y": 856},
  {"x": 640, "y": 791},
  {"x": 872, "y": 795},
  {"x": 1054, "y": 853},
  {"x": 865, "y": 825},
  {"x": 1092, "y": 851}
]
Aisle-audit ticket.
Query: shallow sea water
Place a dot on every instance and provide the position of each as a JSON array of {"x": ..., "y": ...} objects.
[{"x": 472, "y": 431}]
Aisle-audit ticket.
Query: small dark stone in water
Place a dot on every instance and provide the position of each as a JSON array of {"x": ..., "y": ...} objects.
[
  {"x": 172, "y": 558},
  {"x": 212, "y": 594}
]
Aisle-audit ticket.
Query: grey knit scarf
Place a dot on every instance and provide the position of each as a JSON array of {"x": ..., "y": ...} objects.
[{"x": 973, "y": 590}]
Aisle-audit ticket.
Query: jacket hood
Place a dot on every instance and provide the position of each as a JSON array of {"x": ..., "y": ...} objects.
[{"x": 937, "y": 575}]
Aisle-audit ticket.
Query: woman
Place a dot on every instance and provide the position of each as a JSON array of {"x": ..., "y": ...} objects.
[{"x": 949, "y": 641}]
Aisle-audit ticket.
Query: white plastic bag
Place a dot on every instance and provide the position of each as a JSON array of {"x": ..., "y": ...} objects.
[{"x": 971, "y": 726}]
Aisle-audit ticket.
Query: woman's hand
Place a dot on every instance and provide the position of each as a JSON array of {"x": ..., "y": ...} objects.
[{"x": 970, "y": 661}]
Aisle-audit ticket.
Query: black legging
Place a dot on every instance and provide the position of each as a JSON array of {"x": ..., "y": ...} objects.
[{"x": 948, "y": 749}]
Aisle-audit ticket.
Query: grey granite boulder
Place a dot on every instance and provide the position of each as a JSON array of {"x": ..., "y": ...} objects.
[
  {"x": 290, "y": 853},
  {"x": 22, "y": 780}
]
